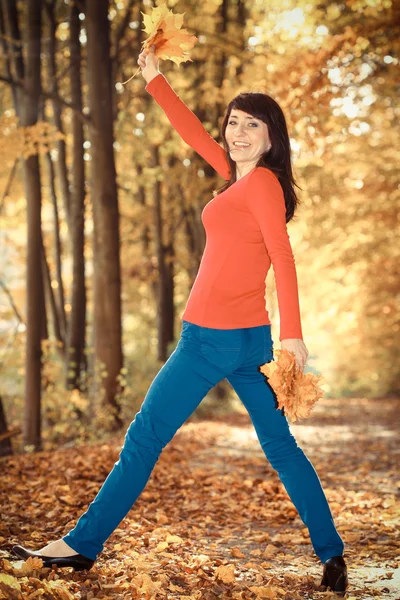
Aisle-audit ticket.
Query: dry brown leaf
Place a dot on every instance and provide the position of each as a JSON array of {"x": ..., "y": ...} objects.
[
  {"x": 237, "y": 553},
  {"x": 10, "y": 581},
  {"x": 30, "y": 565},
  {"x": 165, "y": 33},
  {"x": 174, "y": 539},
  {"x": 296, "y": 392},
  {"x": 225, "y": 573},
  {"x": 265, "y": 591},
  {"x": 58, "y": 588}
]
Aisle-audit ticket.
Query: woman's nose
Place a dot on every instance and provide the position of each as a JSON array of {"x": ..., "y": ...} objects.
[{"x": 239, "y": 129}]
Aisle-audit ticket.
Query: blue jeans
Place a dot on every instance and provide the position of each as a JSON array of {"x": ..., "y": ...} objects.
[{"x": 202, "y": 358}]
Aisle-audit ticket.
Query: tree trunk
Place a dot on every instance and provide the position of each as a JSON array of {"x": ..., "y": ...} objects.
[
  {"x": 15, "y": 49},
  {"x": 35, "y": 295},
  {"x": 107, "y": 273},
  {"x": 76, "y": 338},
  {"x": 51, "y": 300},
  {"x": 61, "y": 164},
  {"x": 5, "y": 46},
  {"x": 5, "y": 444},
  {"x": 165, "y": 265},
  {"x": 61, "y": 326}
]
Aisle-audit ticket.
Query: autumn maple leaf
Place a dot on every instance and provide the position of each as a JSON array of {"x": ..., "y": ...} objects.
[
  {"x": 296, "y": 392},
  {"x": 165, "y": 33}
]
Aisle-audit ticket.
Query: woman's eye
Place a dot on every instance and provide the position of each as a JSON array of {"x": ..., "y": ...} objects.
[{"x": 251, "y": 123}]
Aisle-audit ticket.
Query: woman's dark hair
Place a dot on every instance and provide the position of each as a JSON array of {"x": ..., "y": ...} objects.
[{"x": 278, "y": 158}]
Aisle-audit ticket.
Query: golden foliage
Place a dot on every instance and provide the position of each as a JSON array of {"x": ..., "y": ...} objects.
[
  {"x": 167, "y": 36},
  {"x": 296, "y": 392},
  {"x": 165, "y": 33},
  {"x": 16, "y": 142}
]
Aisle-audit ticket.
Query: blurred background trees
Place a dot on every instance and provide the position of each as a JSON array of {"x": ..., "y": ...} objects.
[{"x": 100, "y": 200}]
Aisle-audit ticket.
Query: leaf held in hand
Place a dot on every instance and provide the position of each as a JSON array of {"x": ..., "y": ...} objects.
[
  {"x": 296, "y": 392},
  {"x": 165, "y": 33}
]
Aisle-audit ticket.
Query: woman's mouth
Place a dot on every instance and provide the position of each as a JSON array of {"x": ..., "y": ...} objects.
[{"x": 239, "y": 146}]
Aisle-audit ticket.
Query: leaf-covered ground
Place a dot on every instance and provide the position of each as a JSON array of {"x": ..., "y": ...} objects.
[{"x": 214, "y": 521}]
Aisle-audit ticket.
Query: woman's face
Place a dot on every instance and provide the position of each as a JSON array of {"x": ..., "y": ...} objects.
[{"x": 242, "y": 127}]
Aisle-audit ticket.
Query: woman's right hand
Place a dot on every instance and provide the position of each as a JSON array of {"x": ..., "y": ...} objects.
[{"x": 148, "y": 62}]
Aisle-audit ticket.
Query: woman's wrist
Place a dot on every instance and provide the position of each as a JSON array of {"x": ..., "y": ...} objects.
[{"x": 149, "y": 76}]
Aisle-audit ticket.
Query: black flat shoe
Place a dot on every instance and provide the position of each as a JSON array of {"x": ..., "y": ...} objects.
[
  {"x": 335, "y": 575},
  {"x": 77, "y": 561}
]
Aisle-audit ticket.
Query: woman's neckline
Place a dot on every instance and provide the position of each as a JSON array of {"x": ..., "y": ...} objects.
[{"x": 243, "y": 176}]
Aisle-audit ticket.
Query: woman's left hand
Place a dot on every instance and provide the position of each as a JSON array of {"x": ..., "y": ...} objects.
[{"x": 298, "y": 347}]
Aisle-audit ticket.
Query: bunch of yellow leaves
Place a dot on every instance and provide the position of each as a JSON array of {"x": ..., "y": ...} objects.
[
  {"x": 18, "y": 141},
  {"x": 296, "y": 392},
  {"x": 165, "y": 33}
]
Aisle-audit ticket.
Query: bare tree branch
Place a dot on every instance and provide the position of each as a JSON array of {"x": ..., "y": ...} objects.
[
  {"x": 46, "y": 94},
  {"x": 8, "y": 184},
  {"x": 13, "y": 305}
]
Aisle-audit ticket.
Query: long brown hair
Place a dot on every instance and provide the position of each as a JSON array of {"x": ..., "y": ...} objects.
[{"x": 278, "y": 158}]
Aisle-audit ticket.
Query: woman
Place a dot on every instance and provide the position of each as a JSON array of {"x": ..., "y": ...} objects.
[{"x": 226, "y": 330}]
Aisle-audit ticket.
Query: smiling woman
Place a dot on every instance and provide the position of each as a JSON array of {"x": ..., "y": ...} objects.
[
  {"x": 248, "y": 139},
  {"x": 258, "y": 119}
]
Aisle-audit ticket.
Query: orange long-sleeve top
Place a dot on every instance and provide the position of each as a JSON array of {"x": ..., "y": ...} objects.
[{"x": 245, "y": 233}]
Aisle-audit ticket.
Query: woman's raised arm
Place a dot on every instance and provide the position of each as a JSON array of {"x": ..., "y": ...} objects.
[{"x": 183, "y": 120}]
